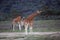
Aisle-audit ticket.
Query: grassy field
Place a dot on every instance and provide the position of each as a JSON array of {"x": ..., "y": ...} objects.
[
  {"x": 39, "y": 26},
  {"x": 43, "y": 37},
  {"x": 35, "y": 30}
]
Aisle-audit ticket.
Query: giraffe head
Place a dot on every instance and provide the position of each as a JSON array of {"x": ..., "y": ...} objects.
[{"x": 39, "y": 11}]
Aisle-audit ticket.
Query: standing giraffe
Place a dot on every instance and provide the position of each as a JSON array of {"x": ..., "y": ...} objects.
[
  {"x": 28, "y": 22},
  {"x": 18, "y": 21}
]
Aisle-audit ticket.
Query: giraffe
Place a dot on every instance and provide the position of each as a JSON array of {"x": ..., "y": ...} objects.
[
  {"x": 18, "y": 21},
  {"x": 28, "y": 22}
]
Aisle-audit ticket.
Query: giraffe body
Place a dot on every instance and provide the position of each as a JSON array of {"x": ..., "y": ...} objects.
[
  {"x": 18, "y": 21},
  {"x": 28, "y": 22}
]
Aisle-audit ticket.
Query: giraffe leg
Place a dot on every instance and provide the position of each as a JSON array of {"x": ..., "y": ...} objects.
[
  {"x": 31, "y": 27},
  {"x": 26, "y": 29},
  {"x": 13, "y": 27},
  {"x": 22, "y": 23},
  {"x": 19, "y": 26}
]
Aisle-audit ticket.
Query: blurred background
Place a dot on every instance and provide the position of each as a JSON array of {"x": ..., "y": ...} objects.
[
  {"x": 10, "y": 8},
  {"x": 46, "y": 21}
]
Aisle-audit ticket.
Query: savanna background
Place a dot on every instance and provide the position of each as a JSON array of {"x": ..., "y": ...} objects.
[{"x": 48, "y": 21}]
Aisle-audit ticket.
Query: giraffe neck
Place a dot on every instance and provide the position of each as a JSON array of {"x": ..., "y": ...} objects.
[{"x": 32, "y": 16}]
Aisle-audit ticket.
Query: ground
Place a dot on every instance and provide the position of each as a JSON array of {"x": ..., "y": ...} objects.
[
  {"x": 22, "y": 36},
  {"x": 40, "y": 27}
]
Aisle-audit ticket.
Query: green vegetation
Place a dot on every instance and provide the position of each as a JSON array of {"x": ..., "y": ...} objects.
[
  {"x": 39, "y": 26},
  {"x": 46, "y": 30},
  {"x": 35, "y": 30},
  {"x": 44, "y": 37}
]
